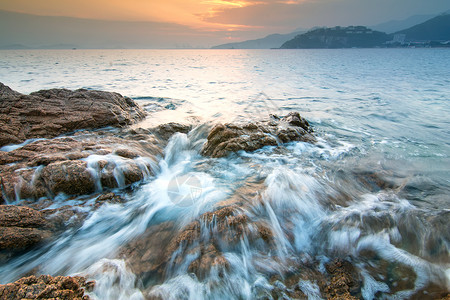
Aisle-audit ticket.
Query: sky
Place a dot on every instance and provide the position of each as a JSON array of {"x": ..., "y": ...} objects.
[{"x": 234, "y": 20}]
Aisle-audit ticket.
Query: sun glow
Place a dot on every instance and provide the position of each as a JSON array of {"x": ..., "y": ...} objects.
[
  {"x": 227, "y": 3},
  {"x": 196, "y": 14}
]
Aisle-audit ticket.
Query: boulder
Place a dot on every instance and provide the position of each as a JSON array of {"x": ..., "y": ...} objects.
[
  {"x": 44, "y": 168},
  {"x": 49, "y": 113},
  {"x": 165, "y": 131},
  {"x": 22, "y": 228},
  {"x": 47, "y": 287},
  {"x": 224, "y": 139},
  {"x": 205, "y": 237},
  {"x": 70, "y": 177}
]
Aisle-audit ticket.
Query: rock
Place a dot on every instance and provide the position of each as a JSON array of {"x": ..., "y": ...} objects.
[
  {"x": 22, "y": 228},
  {"x": 69, "y": 177},
  {"x": 45, "y": 168},
  {"x": 344, "y": 282},
  {"x": 226, "y": 138},
  {"x": 50, "y": 113},
  {"x": 165, "y": 131},
  {"x": 147, "y": 259},
  {"x": 224, "y": 226},
  {"x": 108, "y": 198},
  {"x": 47, "y": 287},
  {"x": 6, "y": 91}
]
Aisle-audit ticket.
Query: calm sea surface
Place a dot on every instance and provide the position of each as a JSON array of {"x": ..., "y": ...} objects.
[{"x": 382, "y": 111}]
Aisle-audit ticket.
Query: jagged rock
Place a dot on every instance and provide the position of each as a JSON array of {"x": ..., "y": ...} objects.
[
  {"x": 344, "y": 282},
  {"x": 22, "y": 227},
  {"x": 226, "y": 138},
  {"x": 47, "y": 287},
  {"x": 225, "y": 225},
  {"x": 49, "y": 113}
]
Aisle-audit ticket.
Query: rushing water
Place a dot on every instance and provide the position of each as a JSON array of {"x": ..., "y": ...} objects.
[{"x": 378, "y": 114}]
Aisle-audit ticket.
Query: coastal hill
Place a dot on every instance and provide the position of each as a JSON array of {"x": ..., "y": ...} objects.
[
  {"x": 434, "y": 32},
  {"x": 268, "y": 42},
  {"x": 435, "y": 29},
  {"x": 397, "y": 25},
  {"x": 338, "y": 37}
]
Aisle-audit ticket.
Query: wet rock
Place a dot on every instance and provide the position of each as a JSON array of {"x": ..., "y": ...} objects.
[
  {"x": 214, "y": 232},
  {"x": 146, "y": 258},
  {"x": 49, "y": 113},
  {"x": 22, "y": 228},
  {"x": 344, "y": 282},
  {"x": 69, "y": 177},
  {"x": 165, "y": 131},
  {"x": 127, "y": 153},
  {"x": 204, "y": 238},
  {"x": 224, "y": 139},
  {"x": 45, "y": 168},
  {"x": 110, "y": 198},
  {"x": 47, "y": 287},
  {"x": 209, "y": 257}
]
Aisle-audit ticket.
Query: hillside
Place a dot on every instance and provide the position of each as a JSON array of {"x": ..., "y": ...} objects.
[
  {"x": 338, "y": 37},
  {"x": 435, "y": 29},
  {"x": 268, "y": 42},
  {"x": 397, "y": 25}
]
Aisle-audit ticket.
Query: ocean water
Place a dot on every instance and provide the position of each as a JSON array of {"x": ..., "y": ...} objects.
[{"x": 377, "y": 113}]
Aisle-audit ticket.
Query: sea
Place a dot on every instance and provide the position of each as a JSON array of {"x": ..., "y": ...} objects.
[{"x": 382, "y": 122}]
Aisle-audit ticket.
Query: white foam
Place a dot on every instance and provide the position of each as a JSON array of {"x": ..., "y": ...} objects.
[{"x": 113, "y": 281}]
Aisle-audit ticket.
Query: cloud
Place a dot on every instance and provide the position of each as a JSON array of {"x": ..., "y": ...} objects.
[
  {"x": 289, "y": 14},
  {"x": 218, "y": 20}
]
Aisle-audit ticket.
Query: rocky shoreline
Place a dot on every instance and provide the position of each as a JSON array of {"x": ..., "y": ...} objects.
[
  {"x": 77, "y": 143},
  {"x": 82, "y": 148}
]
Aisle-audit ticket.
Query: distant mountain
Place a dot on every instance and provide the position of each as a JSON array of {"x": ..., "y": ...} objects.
[
  {"x": 21, "y": 31},
  {"x": 397, "y": 25},
  {"x": 14, "y": 47},
  {"x": 435, "y": 29},
  {"x": 270, "y": 41},
  {"x": 338, "y": 37}
]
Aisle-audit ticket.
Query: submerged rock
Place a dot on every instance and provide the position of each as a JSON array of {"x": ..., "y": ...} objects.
[
  {"x": 47, "y": 287},
  {"x": 49, "y": 113},
  {"x": 226, "y": 138},
  {"x": 199, "y": 245}
]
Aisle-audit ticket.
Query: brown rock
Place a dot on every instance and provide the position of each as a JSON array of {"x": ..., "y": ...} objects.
[
  {"x": 344, "y": 282},
  {"x": 226, "y": 138},
  {"x": 165, "y": 131},
  {"x": 46, "y": 167},
  {"x": 22, "y": 227},
  {"x": 47, "y": 287},
  {"x": 69, "y": 177},
  {"x": 147, "y": 258},
  {"x": 49, "y": 113}
]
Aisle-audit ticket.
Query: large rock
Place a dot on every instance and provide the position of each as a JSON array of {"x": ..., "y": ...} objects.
[
  {"x": 224, "y": 139},
  {"x": 49, "y": 113},
  {"x": 47, "y": 287},
  {"x": 22, "y": 228},
  {"x": 222, "y": 228},
  {"x": 165, "y": 131},
  {"x": 45, "y": 168}
]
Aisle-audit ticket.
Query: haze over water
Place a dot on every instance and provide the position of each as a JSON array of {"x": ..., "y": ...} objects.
[{"x": 381, "y": 111}]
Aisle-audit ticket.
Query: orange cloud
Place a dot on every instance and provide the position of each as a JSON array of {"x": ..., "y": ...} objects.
[{"x": 192, "y": 13}]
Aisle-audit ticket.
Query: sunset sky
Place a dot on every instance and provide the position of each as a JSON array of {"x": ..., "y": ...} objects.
[{"x": 234, "y": 19}]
